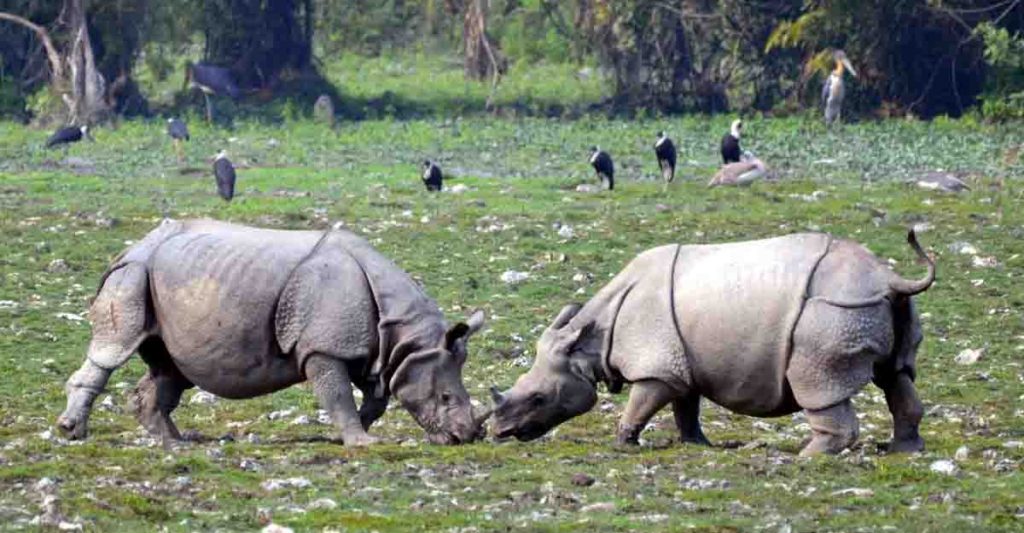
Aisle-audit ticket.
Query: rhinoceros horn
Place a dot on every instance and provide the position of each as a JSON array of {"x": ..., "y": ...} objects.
[{"x": 496, "y": 396}]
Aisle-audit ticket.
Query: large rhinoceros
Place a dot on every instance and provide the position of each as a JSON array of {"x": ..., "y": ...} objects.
[
  {"x": 763, "y": 328},
  {"x": 243, "y": 311}
]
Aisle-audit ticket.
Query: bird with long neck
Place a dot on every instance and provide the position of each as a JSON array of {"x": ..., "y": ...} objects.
[{"x": 834, "y": 91}]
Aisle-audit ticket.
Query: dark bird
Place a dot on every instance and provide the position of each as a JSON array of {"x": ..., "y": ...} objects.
[
  {"x": 210, "y": 79},
  {"x": 432, "y": 176},
  {"x": 224, "y": 171},
  {"x": 731, "y": 143},
  {"x": 602, "y": 163},
  {"x": 178, "y": 132},
  {"x": 833, "y": 92},
  {"x": 68, "y": 135},
  {"x": 665, "y": 150}
]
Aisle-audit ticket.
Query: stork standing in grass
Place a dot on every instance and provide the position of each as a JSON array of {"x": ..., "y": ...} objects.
[
  {"x": 603, "y": 166},
  {"x": 432, "y": 176},
  {"x": 833, "y": 92},
  {"x": 210, "y": 79},
  {"x": 665, "y": 150},
  {"x": 67, "y": 135},
  {"x": 178, "y": 132},
  {"x": 224, "y": 171},
  {"x": 731, "y": 143}
]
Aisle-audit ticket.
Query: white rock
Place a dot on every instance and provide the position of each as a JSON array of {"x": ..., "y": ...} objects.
[
  {"x": 587, "y": 188},
  {"x": 202, "y": 398},
  {"x": 943, "y": 466},
  {"x": 70, "y": 317},
  {"x": 969, "y": 356},
  {"x": 274, "y": 528},
  {"x": 513, "y": 277},
  {"x": 855, "y": 491},
  {"x": 566, "y": 232},
  {"x": 1013, "y": 444},
  {"x": 922, "y": 227},
  {"x": 8, "y": 304},
  {"x": 323, "y": 503},
  {"x": 600, "y": 507},
  {"x": 292, "y": 482},
  {"x": 458, "y": 188},
  {"x": 984, "y": 262},
  {"x": 964, "y": 248},
  {"x": 301, "y": 420},
  {"x": 962, "y": 453},
  {"x": 69, "y": 526},
  {"x": 284, "y": 413}
]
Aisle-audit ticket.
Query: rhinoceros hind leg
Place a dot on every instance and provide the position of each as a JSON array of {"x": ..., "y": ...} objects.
[
  {"x": 907, "y": 411},
  {"x": 687, "y": 414},
  {"x": 645, "y": 398},
  {"x": 159, "y": 391},
  {"x": 835, "y": 428},
  {"x": 333, "y": 389}
]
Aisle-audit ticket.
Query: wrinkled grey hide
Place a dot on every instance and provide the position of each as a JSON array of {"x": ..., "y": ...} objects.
[
  {"x": 763, "y": 328},
  {"x": 242, "y": 312}
]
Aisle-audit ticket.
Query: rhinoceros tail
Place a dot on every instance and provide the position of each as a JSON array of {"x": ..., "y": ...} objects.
[{"x": 905, "y": 287}]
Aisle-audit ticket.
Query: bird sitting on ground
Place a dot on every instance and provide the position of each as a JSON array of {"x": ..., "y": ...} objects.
[
  {"x": 743, "y": 173},
  {"x": 603, "y": 166},
  {"x": 432, "y": 176},
  {"x": 941, "y": 181},
  {"x": 731, "y": 143},
  {"x": 665, "y": 150},
  {"x": 224, "y": 171}
]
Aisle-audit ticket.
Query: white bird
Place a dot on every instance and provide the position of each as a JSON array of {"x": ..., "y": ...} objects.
[{"x": 833, "y": 92}]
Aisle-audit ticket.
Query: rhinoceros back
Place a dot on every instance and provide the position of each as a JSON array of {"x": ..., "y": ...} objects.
[{"x": 736, "y": 306}]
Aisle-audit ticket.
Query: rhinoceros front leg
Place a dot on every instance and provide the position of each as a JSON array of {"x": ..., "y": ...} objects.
[
  {"x": 687, "y": 413},
  {"x": 645, "y": 398},
  {"x": 906, "y": 409},
  {"x": 835, "y": 428},
  {"x": 333, "y": 388},
  {"x": 159, "y": 391},
  {"x": 372, "y": 408}
]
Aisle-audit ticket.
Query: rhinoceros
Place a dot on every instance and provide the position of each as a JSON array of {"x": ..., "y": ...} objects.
[
  {"x": 763, "y": 328},
  {"x": 243, "y": 312}
]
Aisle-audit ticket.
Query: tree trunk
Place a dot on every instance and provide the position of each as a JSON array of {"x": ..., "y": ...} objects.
[{"x": 483, "y": 58}]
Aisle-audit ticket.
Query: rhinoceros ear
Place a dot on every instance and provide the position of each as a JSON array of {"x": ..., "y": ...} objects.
[
  {"x": 565, "y": 315},
  {"x": 455, "y": 338}
]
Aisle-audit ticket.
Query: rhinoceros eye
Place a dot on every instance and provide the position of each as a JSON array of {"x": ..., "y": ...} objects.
[
  {"x": 536, "y": 400},
  {"x": 446, "y": 397}
]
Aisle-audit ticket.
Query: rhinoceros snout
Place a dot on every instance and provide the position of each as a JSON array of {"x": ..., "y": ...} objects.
[{"x": 73, "y": 429}]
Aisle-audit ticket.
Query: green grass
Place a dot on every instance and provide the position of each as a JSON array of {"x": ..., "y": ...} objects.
[{"x": 521, "y": 175}]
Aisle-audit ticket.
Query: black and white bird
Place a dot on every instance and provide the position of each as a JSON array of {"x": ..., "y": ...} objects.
[
  {"x": 210, "y": 79},
  {"x": 665, "y": 150},
  {"x": 432, "y": 176},
  {"x": 731, "y": 143},
  {"x": 602, "y": 163},
  {"x": 833, "y": 92},
  {"x": 68, "y": 135},
  {"x": 224, "y": 171},
  {"x": 178, "y": 132}
]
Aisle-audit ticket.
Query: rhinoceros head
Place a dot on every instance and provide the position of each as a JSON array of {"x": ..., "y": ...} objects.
[
  {"x": 554, "y": 390},
  {"x": 428, "y": 383}
]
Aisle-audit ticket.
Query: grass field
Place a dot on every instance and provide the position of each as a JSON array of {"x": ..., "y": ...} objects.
[{"x": 63, "y": 220}]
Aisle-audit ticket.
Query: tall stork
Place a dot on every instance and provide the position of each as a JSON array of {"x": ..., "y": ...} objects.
[
  {"x": 833, "y": 92},
  {"x": 432, "y": 176},
  {"x": 665, "y": 150},
  {"x": 731, "y": 143},
  {"x": 178, "y": 132},
  {"x": 224, "y": 172},
  {"x": 603, "y": 166},
  {"x": 210, "y": 79}
]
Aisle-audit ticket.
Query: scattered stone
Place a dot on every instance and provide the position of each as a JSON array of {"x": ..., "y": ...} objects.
[
  {"x": 202, "y": 398},
  {"x": 969, "y": 356},
  {"x": 984, "y": 262},
  {"x": 249, "y": 465},
  {"x": 587, "y": 188},
  {"x": 58, "y": 266},
  {"x": 964, "y": 248},
  {"x": 855, "y": 492},
  {"x": 284, "y": 413},
  {"x": 566, "y": 232},
  {"x": 70, "y": 317},
  {"x": 458, "y": 188},
  {"x": 301, "y": 420},
  {"x": 513, "y": 277},
  {"x": 962, "y": 453},
  {"x": 8, "y": 304},
  {"x": 582, "y": 480},
  {"x": 274, "y": 528},
  {"x": 922, "y": 227},
  {"x": 1013, "y": 444},
  {"x": 271, "y": 485},
  {"x": 323, "y": 503},
  {"x": 600, "y": 507},
  {"x": 943, "y": 466}
]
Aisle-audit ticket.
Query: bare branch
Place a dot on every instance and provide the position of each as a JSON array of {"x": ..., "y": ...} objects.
[{"x": 44, "y": 36}]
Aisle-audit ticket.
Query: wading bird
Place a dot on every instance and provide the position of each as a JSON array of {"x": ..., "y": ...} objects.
[
  {"x": 665, "y": 150},
  {"x": 602, "y": 163},
  {"x": 210, "y": 79},
  {"x": 178, "y": 132},
  {"x": 833, "y": 92},
  {"x": 432, "y": 175},
  {"x": 731, "y": 143},
  {"x": 68, "y": 135},
  {"x": 743, "y": 173},
  {"x": 224, "y": 171}
]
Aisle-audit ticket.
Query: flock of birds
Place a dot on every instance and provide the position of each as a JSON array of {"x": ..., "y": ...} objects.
[{"x": 739, "y": 167}]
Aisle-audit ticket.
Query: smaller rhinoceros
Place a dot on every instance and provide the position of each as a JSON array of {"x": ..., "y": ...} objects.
[
  {"x": 243, "y": 311},
  {"x": 763, "y": 328}
]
